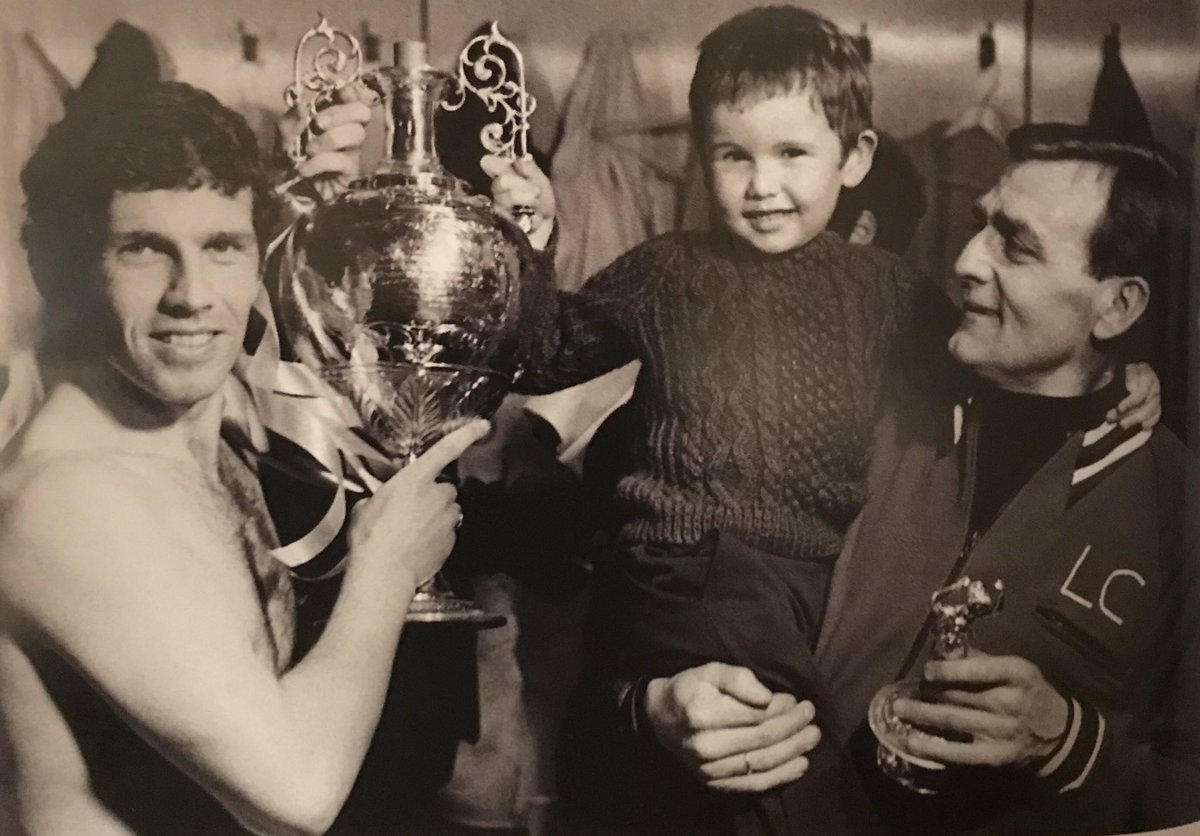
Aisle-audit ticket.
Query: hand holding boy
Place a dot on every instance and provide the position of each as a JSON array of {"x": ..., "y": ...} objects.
[{"x": 729, "y": 730}]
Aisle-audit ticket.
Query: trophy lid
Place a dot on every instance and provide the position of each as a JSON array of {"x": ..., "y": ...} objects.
[{"x": 410, "y": 55}]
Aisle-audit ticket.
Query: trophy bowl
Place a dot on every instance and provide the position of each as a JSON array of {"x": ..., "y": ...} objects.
[
  {"x": 405, "y": 293},
  {"x": 408, "y": 305}
]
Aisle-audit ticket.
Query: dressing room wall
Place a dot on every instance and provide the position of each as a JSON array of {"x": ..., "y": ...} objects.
[{"x": 925, "y": 51}]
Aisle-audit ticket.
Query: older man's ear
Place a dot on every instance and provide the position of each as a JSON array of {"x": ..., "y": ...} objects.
[{"x": 1121, "y": 302}]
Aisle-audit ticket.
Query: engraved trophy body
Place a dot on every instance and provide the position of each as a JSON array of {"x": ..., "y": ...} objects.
[
  {"x": 953, "y": 608},
  {"x": 405, "y": 292}
]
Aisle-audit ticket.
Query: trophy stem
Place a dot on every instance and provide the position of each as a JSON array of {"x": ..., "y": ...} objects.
[{"x": 434, "y": 603}]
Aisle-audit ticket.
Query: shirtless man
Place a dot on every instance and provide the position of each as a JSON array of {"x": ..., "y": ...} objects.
[{"x": 146, "y": 673}]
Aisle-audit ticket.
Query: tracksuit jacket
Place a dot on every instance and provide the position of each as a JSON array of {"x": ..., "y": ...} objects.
[{"x": 1100, "y": 562}]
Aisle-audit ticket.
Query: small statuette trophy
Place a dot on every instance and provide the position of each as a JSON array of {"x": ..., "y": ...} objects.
[
  {"x": 405, "y": 293},
  {"x": 954, "y": 608}
]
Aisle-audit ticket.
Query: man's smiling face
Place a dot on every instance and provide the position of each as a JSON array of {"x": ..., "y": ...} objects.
[
  {"x": 1030, "y": 301},
  {"x": 179, "y": 272}
]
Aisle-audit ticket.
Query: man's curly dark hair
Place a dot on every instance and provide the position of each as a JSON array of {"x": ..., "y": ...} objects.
[{"x": 168, "y": 135}]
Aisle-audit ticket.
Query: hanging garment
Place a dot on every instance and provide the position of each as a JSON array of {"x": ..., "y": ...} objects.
[
  {"x": 127, "y": 61},
  {"x": 1117, "y": 110},
  {"x": 31, "y": 93},
  {"x": 957, "y": 170},
  {"x": 617, "y": 165},
  {"x": 616, "y": 175},
  {"x": 1116, "y": 106}
]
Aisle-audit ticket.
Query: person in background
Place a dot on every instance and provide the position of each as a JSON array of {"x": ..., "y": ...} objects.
[{"x": 885, "y": 208}]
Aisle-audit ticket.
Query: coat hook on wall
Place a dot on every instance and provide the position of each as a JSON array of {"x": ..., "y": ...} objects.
[
  {"x": 863, "y": 42},
  {"x": 987, "y": 47},
  {"x": 370, "y": 43},
  {"x": 1112, "y": 41},
  {"x": 249, "y": 43}
]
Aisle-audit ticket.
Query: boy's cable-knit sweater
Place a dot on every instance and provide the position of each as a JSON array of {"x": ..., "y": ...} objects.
[{"x": 757, "y": 394}]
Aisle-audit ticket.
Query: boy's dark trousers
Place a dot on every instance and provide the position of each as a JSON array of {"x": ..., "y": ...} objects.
[{"x": 658, "y": 612}]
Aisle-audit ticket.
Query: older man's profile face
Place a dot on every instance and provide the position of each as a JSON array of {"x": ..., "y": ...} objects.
[
  {"x": 180, "y": 273},
  {"x": 1030, "y": 301}
]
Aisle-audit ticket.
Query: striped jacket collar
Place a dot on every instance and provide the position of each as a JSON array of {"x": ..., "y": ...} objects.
[{"x": 1101, "y": 448}]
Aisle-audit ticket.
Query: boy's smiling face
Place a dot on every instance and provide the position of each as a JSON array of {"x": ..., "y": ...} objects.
[{"x": 775, "y": 168}]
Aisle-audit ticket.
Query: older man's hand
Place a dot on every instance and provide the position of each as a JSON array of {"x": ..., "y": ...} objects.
[
  {"x": 729, "y": 730},
  {"x": 1002, "y": 705}
]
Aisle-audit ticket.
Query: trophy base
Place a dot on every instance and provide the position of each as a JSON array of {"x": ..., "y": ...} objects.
[
  {"x": 918, "y": 774},
  {"x": 438, "y": 607}
]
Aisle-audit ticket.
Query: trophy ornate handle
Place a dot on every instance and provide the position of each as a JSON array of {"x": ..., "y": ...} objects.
[
  {"x": 326, "y": 60},
  {"x": 492, "y": 68}
]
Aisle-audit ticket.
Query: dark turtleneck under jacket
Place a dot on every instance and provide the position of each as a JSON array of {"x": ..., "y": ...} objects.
[{"x": 1019, "y": 432}]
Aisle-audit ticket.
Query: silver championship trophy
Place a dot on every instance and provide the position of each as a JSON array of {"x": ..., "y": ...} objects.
[
  {"x": 953, "y": 609},
  {"x": 404, "y": 293}
]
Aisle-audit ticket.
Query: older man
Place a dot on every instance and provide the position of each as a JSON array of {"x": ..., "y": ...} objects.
[
  {"x": 1078, "y": 712},
  {"x": 147, "y": 682}
]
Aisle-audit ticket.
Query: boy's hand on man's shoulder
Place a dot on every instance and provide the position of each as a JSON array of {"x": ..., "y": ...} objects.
[{"x": 523, "y": 194}]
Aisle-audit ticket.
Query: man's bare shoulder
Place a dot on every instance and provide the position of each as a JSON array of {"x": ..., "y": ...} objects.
[
  {"x": 61, "y": 507},
  {"x": 69, "y": 479}
]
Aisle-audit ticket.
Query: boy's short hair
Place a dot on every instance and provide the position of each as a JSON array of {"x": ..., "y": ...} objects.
[
  {"x": 778, "y": 49},
  {"x": 167, "y": 135}
]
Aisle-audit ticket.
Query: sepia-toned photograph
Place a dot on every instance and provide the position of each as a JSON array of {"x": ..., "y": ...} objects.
[{"x": 611, "y": 418}]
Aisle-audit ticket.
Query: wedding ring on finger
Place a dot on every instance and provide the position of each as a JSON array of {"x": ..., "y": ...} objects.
[
  {"x": 746, "y": 770},
  {"x": 524, "y": 217}
]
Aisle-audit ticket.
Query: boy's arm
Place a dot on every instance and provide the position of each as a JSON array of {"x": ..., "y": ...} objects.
[
  {"x": 918, "y": 318},
  {"x": 571, "y": 337}
]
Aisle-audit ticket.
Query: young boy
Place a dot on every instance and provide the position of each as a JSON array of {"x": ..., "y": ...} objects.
[{"x": 763, "y": 344}]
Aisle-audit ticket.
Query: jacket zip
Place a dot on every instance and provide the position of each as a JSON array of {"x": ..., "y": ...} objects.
[
  {"x": 927, "y": 626},
  {"x": 970, "y": 538}
]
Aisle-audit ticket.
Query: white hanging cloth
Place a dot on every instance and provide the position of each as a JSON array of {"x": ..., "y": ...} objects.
[
  {"x": 983, "y": 114},
  {"x": 31, "y": 97},
  {"x": 616, "y": 168}
]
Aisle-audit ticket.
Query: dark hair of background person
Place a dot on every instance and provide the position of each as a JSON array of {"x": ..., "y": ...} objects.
[{"x": 893, "y": 192}]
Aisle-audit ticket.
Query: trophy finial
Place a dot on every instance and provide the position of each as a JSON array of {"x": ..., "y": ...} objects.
[
  {"x": 956, "y": 607},
  {"x": 493, "y": 68}
]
